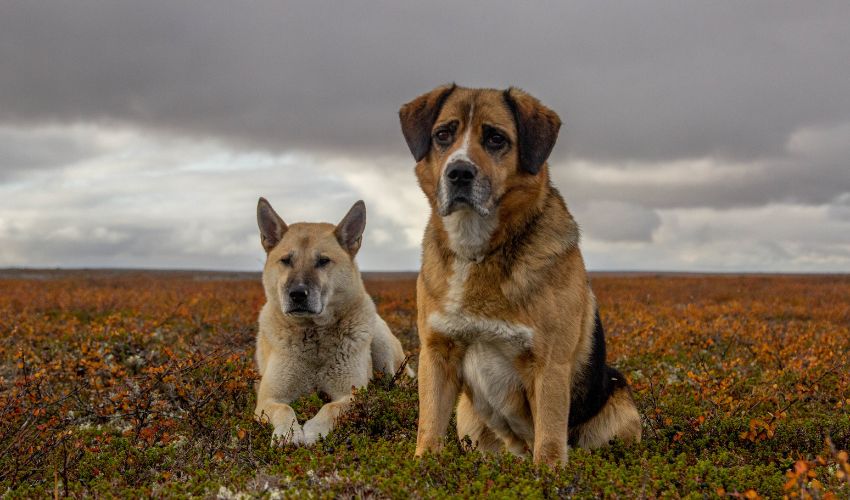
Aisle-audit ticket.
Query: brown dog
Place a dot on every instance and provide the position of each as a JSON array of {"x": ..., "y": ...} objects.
[{"x": 507, "y": 321}]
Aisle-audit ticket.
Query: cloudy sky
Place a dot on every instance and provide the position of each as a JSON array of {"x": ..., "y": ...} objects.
[{"x": 698, "y": 136}]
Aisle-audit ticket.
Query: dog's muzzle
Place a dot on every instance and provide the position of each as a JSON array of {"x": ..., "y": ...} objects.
[
  {"x": 461, "y": 186},
  {"x": 301, "y": 300}
]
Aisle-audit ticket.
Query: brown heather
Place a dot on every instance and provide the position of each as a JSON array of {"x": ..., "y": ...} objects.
[{"x": 139, "y": 384}]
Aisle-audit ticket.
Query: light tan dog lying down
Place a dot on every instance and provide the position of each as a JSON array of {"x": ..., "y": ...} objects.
[{"x": 319, "y": 330}]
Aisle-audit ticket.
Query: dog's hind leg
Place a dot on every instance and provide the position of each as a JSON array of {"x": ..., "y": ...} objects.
[
  {"x": 619, "y": 418},
  {"x": 387, "y": 353},
  {"x": 469, "y": 424}
]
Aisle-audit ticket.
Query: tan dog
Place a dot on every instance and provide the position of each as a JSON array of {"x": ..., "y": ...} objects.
[
  {"x": 318, "y": 330},
  {"x": 507, "y": 321}
]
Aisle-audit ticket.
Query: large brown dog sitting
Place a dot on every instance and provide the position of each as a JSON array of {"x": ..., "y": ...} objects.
[{"x": 508, "y": 324}]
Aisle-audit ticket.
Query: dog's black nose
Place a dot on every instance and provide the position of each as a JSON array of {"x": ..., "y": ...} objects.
[
  {"x": 461, "y": 172},
  {"x": 298, "y": 293}
]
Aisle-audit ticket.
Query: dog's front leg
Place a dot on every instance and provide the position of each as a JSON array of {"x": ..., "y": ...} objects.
[
  {"x": 438, "y": 389},
  {"x": 283, "y": 419},
  {"x": 277, "y": 388},
  {"x": 551, "y": 412},
  {"x": 325, "y": 420}
]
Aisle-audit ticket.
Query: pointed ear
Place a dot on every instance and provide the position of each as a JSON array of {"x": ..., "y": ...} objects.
[
  {"x": 537, "y": 129},
  {"x": 418, "y": 117},
  {"x": 349, "y": 231},
  {"x": 271, "y": 225}
]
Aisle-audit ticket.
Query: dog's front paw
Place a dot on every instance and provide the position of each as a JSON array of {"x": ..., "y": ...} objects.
[
  {"x": 287, "y": 434},
  {"x": 313, "y": 431},
  {"x": 307, "y": 439}
]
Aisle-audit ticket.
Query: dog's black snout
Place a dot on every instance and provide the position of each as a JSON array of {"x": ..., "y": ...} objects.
[
  {"x": 460, "y": 172},
  {"x": 298, "y": 293}
]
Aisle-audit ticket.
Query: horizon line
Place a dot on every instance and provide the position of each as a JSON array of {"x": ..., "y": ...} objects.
[{"x": 176, "y": 270}]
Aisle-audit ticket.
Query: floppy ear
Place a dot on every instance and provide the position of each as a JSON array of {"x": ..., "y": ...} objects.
[
  {"x": 537, "y": 129},
  {"x": 418, "y": 117},
  {"x": 271, "y": 225},
  {"x": 349, "y": 231}
]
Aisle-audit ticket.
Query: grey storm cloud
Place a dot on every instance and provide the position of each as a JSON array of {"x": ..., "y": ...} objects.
[
  {"x": 647, "y": 81},
  {"x": 616, "y": 221},
  {"x": 23, "y": 150},
  {"x": 814, "y": 169}
]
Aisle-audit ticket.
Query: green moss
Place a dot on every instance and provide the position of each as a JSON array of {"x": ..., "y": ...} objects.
[{"x": 370, "y": 453}]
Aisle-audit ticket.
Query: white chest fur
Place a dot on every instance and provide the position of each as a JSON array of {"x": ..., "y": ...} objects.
[{"x": 457, "y": 323}]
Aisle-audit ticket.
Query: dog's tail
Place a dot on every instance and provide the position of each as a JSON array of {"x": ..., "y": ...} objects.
[{"x": 618, "y": 418}]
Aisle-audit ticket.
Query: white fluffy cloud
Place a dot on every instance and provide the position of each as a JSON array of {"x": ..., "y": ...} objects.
[
  {"x": 144, "y": 200},
  {"x": 787, "y": 238}
]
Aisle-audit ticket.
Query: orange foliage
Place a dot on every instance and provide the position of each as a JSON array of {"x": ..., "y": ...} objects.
[{"x": 146, "y": 351}]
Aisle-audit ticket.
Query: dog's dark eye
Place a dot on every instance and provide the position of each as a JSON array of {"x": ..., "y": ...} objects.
[
  {"x": 496, "y": 141},
  {"x": 286, "y": 261},
  {"x": 322, "y": 261},
  {"x": 443, "y": 137}
]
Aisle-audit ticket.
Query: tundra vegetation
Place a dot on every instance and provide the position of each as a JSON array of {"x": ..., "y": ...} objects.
[{"x": 141, "y": 384}]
